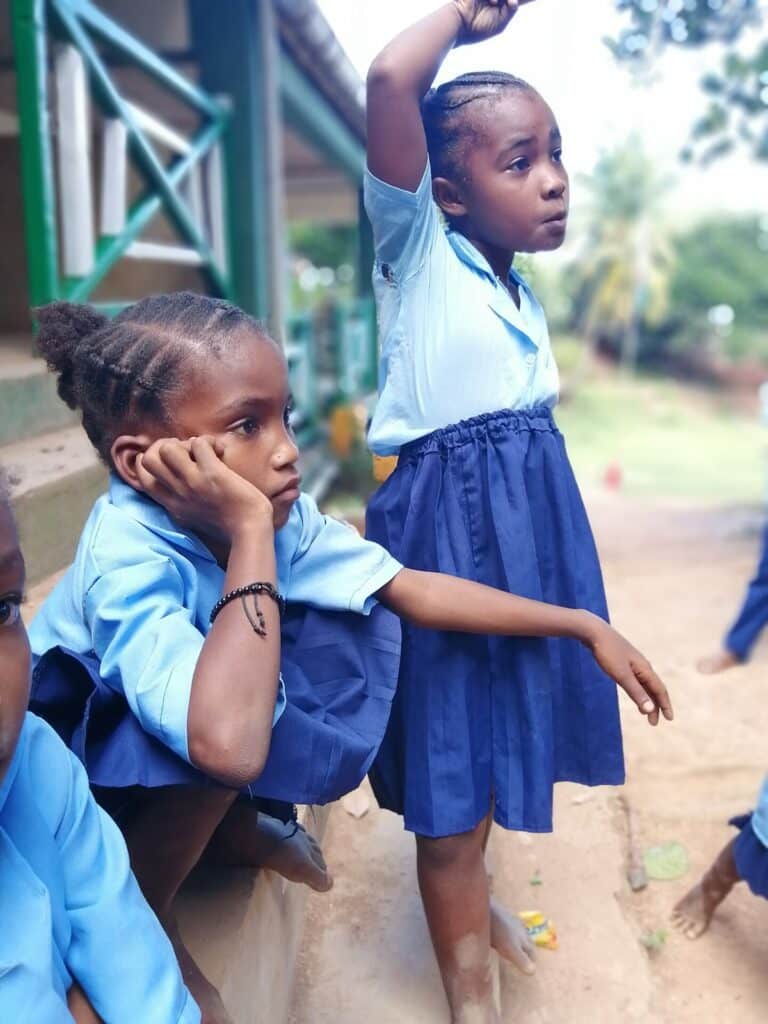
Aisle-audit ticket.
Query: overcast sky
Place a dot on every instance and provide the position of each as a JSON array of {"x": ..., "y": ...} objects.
[{"x": 557, "y": 46}]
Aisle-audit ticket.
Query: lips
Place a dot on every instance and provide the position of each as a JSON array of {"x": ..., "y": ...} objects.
[
  {"x": 294, "y": 484},
  {"x": 557, "y": 218}
]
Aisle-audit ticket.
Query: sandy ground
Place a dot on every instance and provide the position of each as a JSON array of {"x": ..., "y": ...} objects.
[{"x": 675, "y": 575}]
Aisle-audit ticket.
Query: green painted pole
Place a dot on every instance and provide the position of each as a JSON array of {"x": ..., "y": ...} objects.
[
  {"x": 225, "y": 38},
  {"x": 29, "y": 34}
]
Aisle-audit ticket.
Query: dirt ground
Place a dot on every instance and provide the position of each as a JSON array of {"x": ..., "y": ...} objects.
[{"x": 675, "y": 575}]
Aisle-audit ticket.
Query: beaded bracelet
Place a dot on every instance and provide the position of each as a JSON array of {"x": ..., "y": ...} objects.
[{"x": 259, "y": 625}]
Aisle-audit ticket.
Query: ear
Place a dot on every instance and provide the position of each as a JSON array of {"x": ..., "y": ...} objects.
[
  {"x": 448, "y": 198},
  {"x": 125, "y": 451}
]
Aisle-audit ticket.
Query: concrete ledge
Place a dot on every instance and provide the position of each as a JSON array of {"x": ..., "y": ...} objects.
[
  {"x": 54, "y": 481},
  {"x": 244, "y": 929},
  {"x": 29, "y": 402}
]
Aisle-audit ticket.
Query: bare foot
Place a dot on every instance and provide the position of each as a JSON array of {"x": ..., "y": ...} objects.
[
  {"x": 511, "y": 940},
  {"x": 692, "y": 915},
  {"x": 205, "y": 995},
  {"x": 719, "y": 662},
  {"x": 247, "y": 838}
]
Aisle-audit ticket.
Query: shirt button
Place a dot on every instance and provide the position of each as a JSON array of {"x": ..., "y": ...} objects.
[{"x": 530, "y": 359}]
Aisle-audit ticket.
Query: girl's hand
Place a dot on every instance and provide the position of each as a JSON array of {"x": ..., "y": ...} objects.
[
  {"x": 631, "y": 671},
  {"x": 192, "y": 483},
  {"x": 483, "y": 19}
]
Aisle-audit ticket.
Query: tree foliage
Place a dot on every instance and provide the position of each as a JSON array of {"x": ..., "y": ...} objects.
[{"x": 737, "y": 91}]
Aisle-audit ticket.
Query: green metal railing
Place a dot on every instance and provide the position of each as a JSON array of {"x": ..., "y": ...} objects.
[{"x": 79, "y": 23}]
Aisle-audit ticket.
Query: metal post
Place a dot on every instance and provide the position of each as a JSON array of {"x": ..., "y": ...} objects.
[
  {"x": 29, "y": 33},
  {"x": 236, "y": 48}
]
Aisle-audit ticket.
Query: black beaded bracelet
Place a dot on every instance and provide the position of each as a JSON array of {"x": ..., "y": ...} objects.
[{"x": 242, "y": 592}]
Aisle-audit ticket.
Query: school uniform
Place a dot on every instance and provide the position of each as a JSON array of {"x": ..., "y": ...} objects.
[
  {"x": 116, "y": 643},
  {"x": 750, "y": 850},
  {"x": 483, "y": 489},
  {"x": 69, "y": 905},
  {"x": 753, "y": 614}
]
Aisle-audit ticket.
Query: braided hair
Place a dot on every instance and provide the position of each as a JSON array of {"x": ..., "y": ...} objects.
[
  {"x": 447, "y": 116},
  {"x": 123, "y": 372}
]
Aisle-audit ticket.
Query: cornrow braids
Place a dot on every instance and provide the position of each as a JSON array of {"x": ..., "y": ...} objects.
[
  {"x": 446, "y": 113},
  {"x": 121, "y": 373}
]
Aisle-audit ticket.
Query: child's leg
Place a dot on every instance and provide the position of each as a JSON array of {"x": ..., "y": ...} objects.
[
  {"x": 694, "y": 911},
  {"x": 749, "y": 623},
  {"x": 166, "y": 835},
  {"x": 454, "y": 891},
  {"x": 249, "y": 838},
  {"x": 509, "y": 936}
]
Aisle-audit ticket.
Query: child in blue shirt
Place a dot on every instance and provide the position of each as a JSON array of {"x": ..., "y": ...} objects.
[
  {"x": 160, "y": 655},
  {"x": 460, "y": 178},
  {"x": 77, "y": 934}
]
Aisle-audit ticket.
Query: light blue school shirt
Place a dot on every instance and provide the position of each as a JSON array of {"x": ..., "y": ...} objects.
[
  {"x": 453, "y": 342},
  {"x": 760, "y": 816},
  {"x": 69, "y": 905},
  {"x": 140, "y": 592}
]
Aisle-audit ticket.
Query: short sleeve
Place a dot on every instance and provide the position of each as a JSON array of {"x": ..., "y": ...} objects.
[
  {"x": 148, "y": 644},
  {"x": 333, "y": 567},
  {"x": 117, "y": 951},
  {"x": 406, "y": 225}
]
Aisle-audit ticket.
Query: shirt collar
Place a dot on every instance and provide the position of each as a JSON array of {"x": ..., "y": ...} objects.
[
  {"x": 472, "y": 256},
  {"x": 152, "y": 515}
]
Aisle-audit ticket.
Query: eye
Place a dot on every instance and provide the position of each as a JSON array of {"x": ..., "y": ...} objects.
[
  {"x": 248, "y": 427},
  {"x": 557, "y": 156},
  {"x": 519, "y": 165},
  {"x": 288, "y": 413},
  {"x": 10, "y": 610}
]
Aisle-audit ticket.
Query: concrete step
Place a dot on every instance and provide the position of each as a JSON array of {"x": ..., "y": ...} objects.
[
  {"x": 29, "y": 404},
  {"x": 54, "y": 479}
]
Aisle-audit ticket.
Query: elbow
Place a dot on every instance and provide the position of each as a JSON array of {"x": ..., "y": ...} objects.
[
  {"x": 230, "y": 754},
  {"x": 382, "y": 76}
]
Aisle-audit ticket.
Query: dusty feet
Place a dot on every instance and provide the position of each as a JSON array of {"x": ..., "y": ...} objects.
[
  {"x": 511, "y": 940},
  {"x": 714, "y": 663},
  {"x": 247, "y": 838},
  {"x": 692, "y": 915}
]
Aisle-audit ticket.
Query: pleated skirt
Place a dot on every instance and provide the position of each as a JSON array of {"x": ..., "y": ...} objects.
[
  {"x": 340, "y": 673},
  {"x": 481, "y": 722}
]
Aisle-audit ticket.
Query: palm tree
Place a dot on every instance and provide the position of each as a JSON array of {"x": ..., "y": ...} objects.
[{"x": 625, "y": 270}]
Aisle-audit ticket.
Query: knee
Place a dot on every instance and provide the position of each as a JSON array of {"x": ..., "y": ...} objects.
[{"x": 448, "y": 852}]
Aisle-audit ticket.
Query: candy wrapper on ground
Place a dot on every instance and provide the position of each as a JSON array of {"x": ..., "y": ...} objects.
[{"x": 541, "y": 929}]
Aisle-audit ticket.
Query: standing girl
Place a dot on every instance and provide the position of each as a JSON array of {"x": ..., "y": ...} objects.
[
  {"x": 159, "y": 655},
  {"x": 461, "y": 178}
]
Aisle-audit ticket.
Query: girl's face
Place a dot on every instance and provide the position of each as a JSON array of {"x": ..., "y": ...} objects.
[
  {"x": 515, "y": 193},
  {"x": 243, "y": 399},
  {"x": 15, "y": 662}
]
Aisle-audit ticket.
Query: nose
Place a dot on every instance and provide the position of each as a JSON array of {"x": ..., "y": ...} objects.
[
  {"x": 286, "y": 453},
  {"x": 554, "y": 187}
]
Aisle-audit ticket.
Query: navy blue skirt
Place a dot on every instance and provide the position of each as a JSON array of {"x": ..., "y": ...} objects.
[
  {"x": 751, "y": 856},
  {"x": 486, "y": 721},
  {"x": 340, "y": 673}
]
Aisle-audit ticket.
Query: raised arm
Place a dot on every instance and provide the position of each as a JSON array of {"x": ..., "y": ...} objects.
[
  {"x": 403, "y": 72},
  {"x": 438, "y": 601}
]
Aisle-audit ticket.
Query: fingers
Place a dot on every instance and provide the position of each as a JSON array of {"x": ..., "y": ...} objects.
[
  {"x": 634, "y": 689},
  {"x": 654, "y": 687}
]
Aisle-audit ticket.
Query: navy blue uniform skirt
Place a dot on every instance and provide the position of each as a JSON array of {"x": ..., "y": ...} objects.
[
  {"x": 340, "y": 672},
  {"x": 751, "y": 856},
  {"x": 486, "y": 721}
]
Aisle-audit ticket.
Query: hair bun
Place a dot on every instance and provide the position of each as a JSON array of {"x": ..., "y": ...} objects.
[{"x": 63, "y": 327}]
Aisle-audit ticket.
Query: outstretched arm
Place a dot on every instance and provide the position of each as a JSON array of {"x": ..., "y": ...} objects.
[
  {"x": 402, "y": 73},
  {"x": 438, "y": 601}
]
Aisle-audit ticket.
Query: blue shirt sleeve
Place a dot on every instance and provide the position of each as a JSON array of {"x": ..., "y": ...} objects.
[
  {"x": 118, "y": 951},
  {"x": 406, "y": 225},
  {"x": 147, "y": 643},
  {"x": 332, "y": 566}
]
